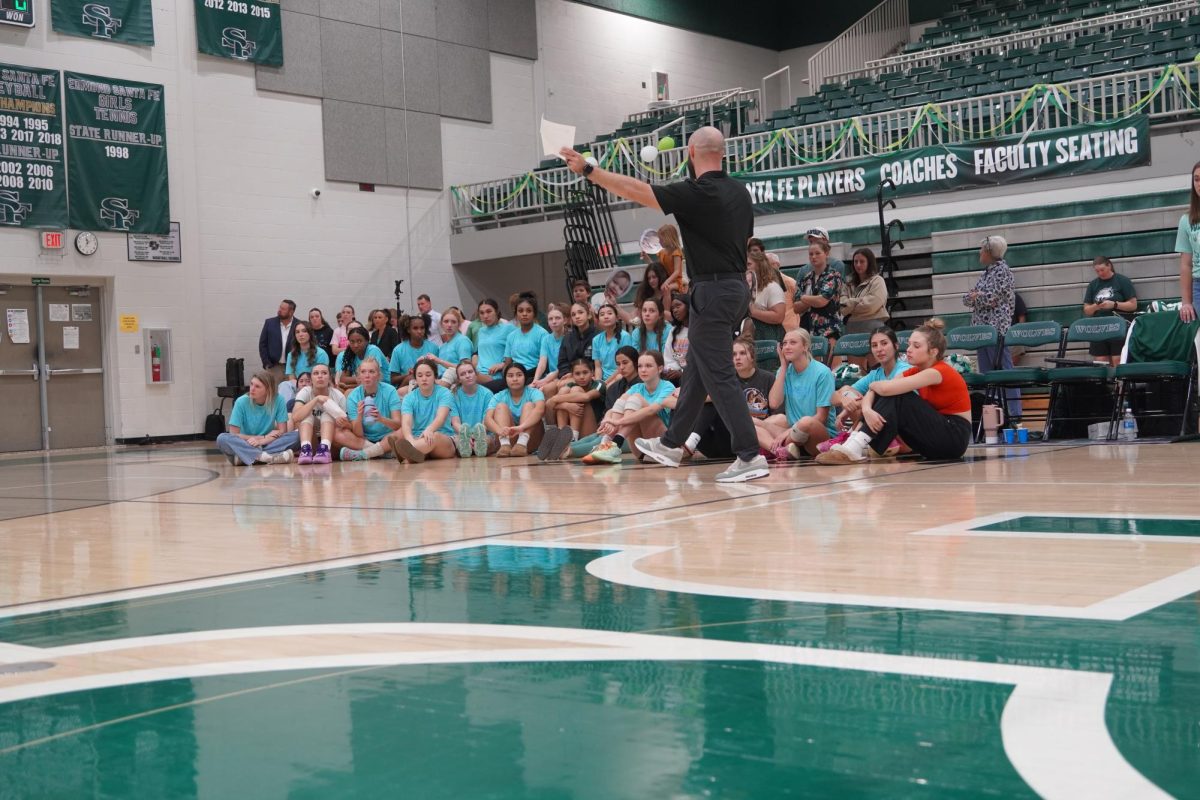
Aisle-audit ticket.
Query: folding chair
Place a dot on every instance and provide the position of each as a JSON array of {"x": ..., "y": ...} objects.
[
  {"x": 765, "y": 354},
  {"x": 856, "y": 345},
  {"x": 1072, "y": 375},
  {"x": 1161, "y": 350},
  {"x": 1024, "y": 334}
]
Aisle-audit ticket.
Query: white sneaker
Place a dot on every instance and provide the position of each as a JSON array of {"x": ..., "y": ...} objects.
[
  {"x": 745, "y": 471},
  {"x": 655, "y": 450},
  {"x": 851, "y": 451},
  {"x": 282, "y": 458}
]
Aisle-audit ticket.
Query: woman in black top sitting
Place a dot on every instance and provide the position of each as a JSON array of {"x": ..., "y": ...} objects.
[
  {"x": 577, "y": 342},
  {"x": 383, "y": 335}
]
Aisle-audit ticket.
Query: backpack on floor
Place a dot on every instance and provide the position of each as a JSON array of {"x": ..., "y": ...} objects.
[{"x": 214, "y": 425}]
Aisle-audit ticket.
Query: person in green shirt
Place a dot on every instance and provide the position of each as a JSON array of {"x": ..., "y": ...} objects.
[{"x": 1109, "y": 293}]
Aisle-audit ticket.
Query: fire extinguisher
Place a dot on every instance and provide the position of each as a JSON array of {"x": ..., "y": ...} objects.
[{"x": 156, "y": 364}]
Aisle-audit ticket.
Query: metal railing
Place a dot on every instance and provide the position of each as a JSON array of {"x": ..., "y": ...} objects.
[
  {"x": 540, "y": 195},
  {"x": 879, "y": 32},
  {"x": 738, "y": 97},
  {"x": 1002, "y": 44}
]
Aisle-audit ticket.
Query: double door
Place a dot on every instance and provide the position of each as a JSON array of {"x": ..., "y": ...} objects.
[{"x": 51, "y": 368}]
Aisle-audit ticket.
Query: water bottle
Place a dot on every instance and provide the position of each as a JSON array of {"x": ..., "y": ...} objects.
[{"x": 1129, "y": 429}]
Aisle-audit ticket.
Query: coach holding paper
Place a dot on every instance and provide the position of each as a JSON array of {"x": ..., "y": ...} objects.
[{"x": 716, "y": 219}]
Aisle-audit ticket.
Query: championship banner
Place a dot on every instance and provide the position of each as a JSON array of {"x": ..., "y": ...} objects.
[
  {"x": 944, "y": 168},
  {"x": 33, "y": 183},
  {"x": 124, "y": 21},
  {"x": 244, "y": 30},
  {"x": 117, "y": 156}
]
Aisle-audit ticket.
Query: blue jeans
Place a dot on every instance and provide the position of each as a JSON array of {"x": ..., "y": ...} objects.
[
  {"x": 234, "y": 445},
  {"x": 988, "y": 362}
]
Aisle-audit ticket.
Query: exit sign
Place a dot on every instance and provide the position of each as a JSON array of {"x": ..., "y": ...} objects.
[
  {"x": 52, "y": 240},
  {"x": 38, "y": 280},
  {"x": 16, "y": 12}
]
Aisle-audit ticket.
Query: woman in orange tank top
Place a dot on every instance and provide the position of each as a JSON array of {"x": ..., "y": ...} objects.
[{"x": 928, "y": 406}]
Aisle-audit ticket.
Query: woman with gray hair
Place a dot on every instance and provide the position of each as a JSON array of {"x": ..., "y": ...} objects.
[{"x": 992, "y": 302}]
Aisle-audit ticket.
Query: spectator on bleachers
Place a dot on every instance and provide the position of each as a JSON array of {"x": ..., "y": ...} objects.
[
  {"x": 1110, "y": 293},
  {"x": 425, "y": 430},
  {"x": 928, "y": 407},
  {"x": 524, "y": 343},
  {"x": 574, "y": 412},
  {"x": 455, "y": 347},
  {"x": 545, "y": 376},
  {"x": 581, "y": 292},
  {"x": 346, "y": 320},
  {"x": 652, "y": 329},
  {"x": 643, "y": 411},
  {"x": 258, "y": 426},
  {"x": 1187, "y": 244},
  {"x": 885, "y": 352},
  {"x": 357, "y": 348},
  {"x": 654, "y": 284},
  {"x": 711, "y": 438},
  {"x": 321, "y": 330},
  {"x": 819, "y": 234},
  {"x": 676, "y": 348},
  {"x": 383, "y": 335},
  {"x": 819, "y": 294},
  {"x": 316, "y": 411},
  {"x": 372, "y": 410},
  {"x": 471, "y": 402},
  {"x": 755, "y": 246},
  {"x": 671, "y": 257},
  {"x": 611, "y": 336},
  {"x": 406, "y": 354},
  {"x": 433, "y": 318},
  {"x": 864, "y": 306},
  {"x": 993, "y": 302},
  {"x": 302, "y": 356},
  {"x": 491, "y": 337},
  {"x": 768, "y": 303},
  {"x": 515, "y": 414}
]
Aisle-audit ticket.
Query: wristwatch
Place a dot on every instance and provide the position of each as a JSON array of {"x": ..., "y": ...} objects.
[{"x": 587, "y": 169}]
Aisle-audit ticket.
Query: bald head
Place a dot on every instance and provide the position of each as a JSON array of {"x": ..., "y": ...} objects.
[{"x": 706, "y": 148}]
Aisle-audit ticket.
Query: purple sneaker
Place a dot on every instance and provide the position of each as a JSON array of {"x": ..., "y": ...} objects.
[
  {"x": 323, "y": 455},
  {"x": 306, "y": 454}
]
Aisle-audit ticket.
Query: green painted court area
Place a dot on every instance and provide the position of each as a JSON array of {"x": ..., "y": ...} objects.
[
  {"x": 561, "y": 729},
  {"x": 1122, "y": 526}
]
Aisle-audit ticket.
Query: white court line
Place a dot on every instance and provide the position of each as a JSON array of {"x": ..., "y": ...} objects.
[
  {"x": 16, "y": 653},
  {"x": 1052, "y": 726}
]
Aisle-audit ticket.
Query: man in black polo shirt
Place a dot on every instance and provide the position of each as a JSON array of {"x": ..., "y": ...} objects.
[{"x": 716, "y": 219}]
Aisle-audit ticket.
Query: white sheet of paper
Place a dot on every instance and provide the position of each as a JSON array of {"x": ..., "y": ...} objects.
[
  {"x": 70, "y": 337},
  {"x": 556, "y": 136},
  {"x": 18, "y": 325},
  {"x": 60, "y": 312}
]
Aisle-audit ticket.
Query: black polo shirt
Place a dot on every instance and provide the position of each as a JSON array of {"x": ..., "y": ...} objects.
[{"x": 715, "y": 217}]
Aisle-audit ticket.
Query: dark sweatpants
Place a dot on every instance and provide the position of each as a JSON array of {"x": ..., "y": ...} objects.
[
  {"x": 717, "y": 306},
  {"x": 927, "y": 432}
]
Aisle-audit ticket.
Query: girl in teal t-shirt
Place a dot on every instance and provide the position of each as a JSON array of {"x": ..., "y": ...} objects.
[
  {"x": 804, "y": 389},
  {"x": 425, "y": 430},
  {"x": 605, "y": 344},
  {"x": 373, "y": 414},
  {"x": 653, "y": 329},
  {"x": 416, "y": 345},
  {"x": 490, "y": 341},
  {"x": 358, "y": 349},
  {"x": 515, "y": 415},
  {"x": 1187, "y": 244},
  {"x": 258, "y": 426},
  {"x": 524, "y": 343},
  {"x": 546, "y": 378},
  {"x": 471, "y": 403},
  {"x": 455, "y": 347}
]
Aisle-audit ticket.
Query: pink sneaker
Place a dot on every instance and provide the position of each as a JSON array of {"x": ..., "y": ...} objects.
[
  {"x": 323, "y": 455},
  {"x": 824, "y": 446},
  {"x": 781, "y": 454},
  {"x": 306, "y": 456}
]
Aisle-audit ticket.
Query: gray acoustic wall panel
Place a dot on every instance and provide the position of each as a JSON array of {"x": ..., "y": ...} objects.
[
  {"x": 465, "y": 82},
  {"x": 421, "y": 90},
  {"x": 301, "y": 70},
  {"x": 302, "y": 7},
  {"x": 355, "y": 142},
  {"x": 424, "y": 150},
  {"x": 389, "y": 70},
  {"x": 351, "y": 62},
  {"x": 463, "y": 22},
  {"x": 360, "y": 12},
  {"x": 512, "y": 27}
]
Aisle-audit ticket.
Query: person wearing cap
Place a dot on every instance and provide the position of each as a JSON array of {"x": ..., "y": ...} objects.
[
  {"x": 716, "y": 217},
  {"x": 992, "y": 302},
  {"x": 819, "y": 234}
]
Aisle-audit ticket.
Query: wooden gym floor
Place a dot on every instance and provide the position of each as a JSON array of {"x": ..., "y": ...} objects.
[{"x": 1024, "y": 623}]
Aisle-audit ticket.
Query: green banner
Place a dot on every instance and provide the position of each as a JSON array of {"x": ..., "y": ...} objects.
[
  {"x": 33, "y": 183},
  {"x": 125, "y": 21},
  {"x": 943, "y": 168},
  {"x": 117, "y": 156},
  {"x": 244, "y": 30}
]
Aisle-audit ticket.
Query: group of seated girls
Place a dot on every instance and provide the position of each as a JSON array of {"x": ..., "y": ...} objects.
[{"x": 585, "y": 387}]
